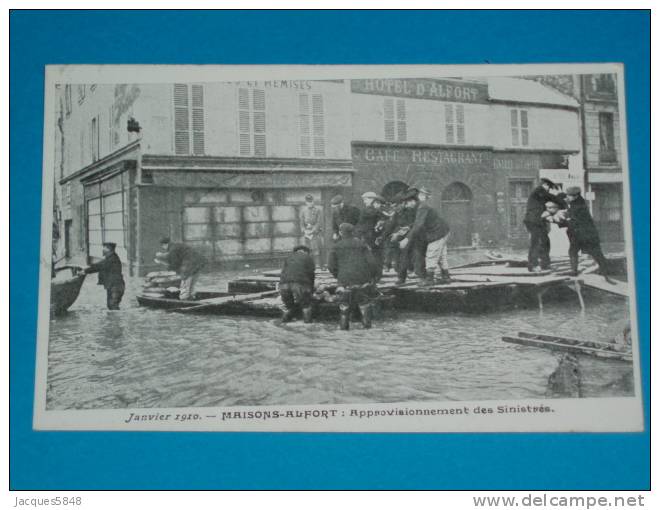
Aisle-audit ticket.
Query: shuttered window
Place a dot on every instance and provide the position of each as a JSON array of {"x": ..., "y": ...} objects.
[
  {"x": 394, "y": 115},
  {"x": 455, "y": 124},
  {"x": 311, "y": 124},
  {"x": 94, "y": 139},
  {"x": 251, "y": 122},
  {"x": 519, "y": 128},
  {"x": 188, "y": 119}
]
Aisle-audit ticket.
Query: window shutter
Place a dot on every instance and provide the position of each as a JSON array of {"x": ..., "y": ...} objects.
[
  {"x": 460, "y": 124},
  {"x": 198, "y": 119},
  {"x": 401, "y": 131},
  {"x": 515, "y": 135},
  {"x": 388, "y": 110},
  {"x": 259, "y": 121},
  {"x": 449, "y": 123},
  {"x": 244, "y": 122},
  {"x": 318, "y": 125},
  {"x": 181, "y": 123},
  {"x": 304, "y": 125}
]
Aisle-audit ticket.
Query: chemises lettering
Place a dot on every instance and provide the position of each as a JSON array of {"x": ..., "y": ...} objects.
[{"x": 280, "y": 84}]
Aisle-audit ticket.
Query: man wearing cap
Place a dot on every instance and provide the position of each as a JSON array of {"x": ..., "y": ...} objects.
[
  {"x": 342, "y": 213},
  {"x": 539, "y": 243},
  {"x": 297, "y": 284},
  {"x": 110, "y": 276},
  {"x": 371, "y": 224},
  {"x": 353, "y": 264},
  {"x": 186, "y": 261},
  {"x": 311, "y": 225},
  {"x": 582, "y": 232},
  {"x": 428, "y": 236}
]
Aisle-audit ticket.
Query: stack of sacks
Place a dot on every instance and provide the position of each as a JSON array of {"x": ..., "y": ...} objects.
[
  {"x": 325, "y": 293},
  {"x": 161, "y": 284}
]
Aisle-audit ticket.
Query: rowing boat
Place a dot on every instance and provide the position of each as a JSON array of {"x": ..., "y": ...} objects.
[
  {"x": 64, "y": 289},
  {"x": 602, "y": 350}
]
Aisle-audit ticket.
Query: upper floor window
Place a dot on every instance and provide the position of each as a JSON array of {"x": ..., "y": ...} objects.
[
  {"x": 519, "y": 128},
  {"x": 311, "y": 123},
  {"x": 603, "y": 83},
  {"x": 188, "y": 119},
  {"x": 607, "y": 153},
  {"x": 395, "y": 120},
  {"x": 251, "y": 122},
  {"x": 81, "y": 93},
  {"x": 67, "y": 99},
  {"x": 455, "y": 124}
]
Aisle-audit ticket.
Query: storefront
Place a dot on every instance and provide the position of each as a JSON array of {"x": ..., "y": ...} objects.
[
  {"x": 517, "y": 174},
  {"x": 232, "y": 211},
  {"x": 461, "y": 180}
]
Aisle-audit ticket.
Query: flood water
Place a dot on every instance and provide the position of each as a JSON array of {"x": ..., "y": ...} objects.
[{"x": 140, "y": 358}]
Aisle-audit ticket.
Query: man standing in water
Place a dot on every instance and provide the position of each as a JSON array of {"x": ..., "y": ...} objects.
[
  {"x": 184, "y": 260},
  {"x": 354, "y": 266},
  {"x": 582, "y": 232},
  {"x": 110, "y": 276}
]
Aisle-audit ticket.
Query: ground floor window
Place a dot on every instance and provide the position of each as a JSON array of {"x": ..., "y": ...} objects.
[
  {"x": 608, "y": 211},
  {"x": 106, "y": 217},
  {"x": 232, "y": 225}
]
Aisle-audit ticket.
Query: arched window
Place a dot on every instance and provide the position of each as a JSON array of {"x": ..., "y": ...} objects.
[{"x": 456, "y": 192}]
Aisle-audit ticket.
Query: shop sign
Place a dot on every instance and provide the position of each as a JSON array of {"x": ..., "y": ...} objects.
[
  {"x": 424, "y": 88},
  {"x": 423, "y": 156}
]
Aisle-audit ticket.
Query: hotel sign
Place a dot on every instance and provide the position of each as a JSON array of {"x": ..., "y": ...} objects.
[{"x": 424, "y": 88}]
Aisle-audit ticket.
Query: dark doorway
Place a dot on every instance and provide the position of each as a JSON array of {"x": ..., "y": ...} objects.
[
  {"x": 456, "y": 207},
  {"x": 608, "y": 211},
  {"x": 392, "y": 188}
]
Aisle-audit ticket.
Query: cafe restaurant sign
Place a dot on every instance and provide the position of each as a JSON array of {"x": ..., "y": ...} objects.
[
  {"x": 463, "y": 158},
  {"x": 424, "y": 88}
]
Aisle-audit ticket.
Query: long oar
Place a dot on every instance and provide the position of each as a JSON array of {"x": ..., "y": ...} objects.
[{"x": 210, "y": 303}]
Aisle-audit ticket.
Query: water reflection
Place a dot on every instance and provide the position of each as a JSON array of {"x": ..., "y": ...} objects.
[{"x": 139, "y": 357}]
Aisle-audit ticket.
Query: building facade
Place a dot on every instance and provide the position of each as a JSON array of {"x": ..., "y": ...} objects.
[
  {"x": 225, "y": 167},
  {"x": 602, "y": 150},
  {"x": 478, "y": 145},
  {"x": 221, "y": 166}
]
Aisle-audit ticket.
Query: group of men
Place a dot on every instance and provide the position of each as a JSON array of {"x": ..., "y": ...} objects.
[
  {"x": 546, "y": 205},
  {"x": 409, "y": 235}
]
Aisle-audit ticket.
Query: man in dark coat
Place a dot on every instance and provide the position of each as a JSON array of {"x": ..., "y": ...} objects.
[
  {"x": 342, "y": 213},
  {"x": 582, "y": 232},
  {"x": 353, "y": 264},
  {"x": 371, "y": 224},
  {"x": 539, "y": 243},
  {"x": 110, "y": 276},
  {"x": 396, "y": 229},
  {"x": 297, "y": 284},
  {"x": 428, "y": 238},
  {"x": 184, "y": 260}
]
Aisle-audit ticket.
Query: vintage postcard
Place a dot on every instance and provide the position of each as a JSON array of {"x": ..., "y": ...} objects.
[{"x": 337, "y": 248}]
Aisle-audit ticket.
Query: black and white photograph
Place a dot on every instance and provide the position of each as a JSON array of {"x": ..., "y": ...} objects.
[{"x": 349, "y": 248}]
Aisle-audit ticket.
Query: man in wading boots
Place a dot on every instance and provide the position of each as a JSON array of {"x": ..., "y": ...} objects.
[
  {"x": 110, "y": 276},
  {"x": 297, "y": 284},
  {"x": 354, "y": 266},
  {"x": 582, "y": 233}
]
